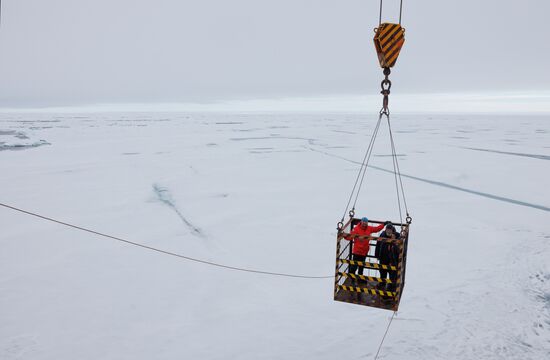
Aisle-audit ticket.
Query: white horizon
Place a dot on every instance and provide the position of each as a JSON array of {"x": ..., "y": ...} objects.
[{"x": 531, "y": 102}]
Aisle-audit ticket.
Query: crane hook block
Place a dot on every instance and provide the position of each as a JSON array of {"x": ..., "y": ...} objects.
[{"x": 388, "y": 41}]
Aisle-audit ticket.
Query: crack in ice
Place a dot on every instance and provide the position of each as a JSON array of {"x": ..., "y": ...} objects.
[
  {"x": 534, "y": 156},
  {"x": 164, "y": 196},
  {"x": 442, "y": 184}
]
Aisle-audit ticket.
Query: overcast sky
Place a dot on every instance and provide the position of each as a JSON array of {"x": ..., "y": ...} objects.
[{"x": 72, "y": 52}]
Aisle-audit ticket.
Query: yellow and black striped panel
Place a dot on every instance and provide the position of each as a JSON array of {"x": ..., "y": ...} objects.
[
  {"x": 391, "y": 57},
  {"x": 389, "y": 35},
  {"x": 366, "y": 291},
  {"x": 366, "y": 278},
  {"x": 368, "y": 265},
  {"x": 389, "y": 40}
]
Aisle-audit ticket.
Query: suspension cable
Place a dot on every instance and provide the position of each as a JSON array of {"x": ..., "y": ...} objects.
[
  {"x": 394, "y": 162},
  {"x": 160, "y": 250},
  {"x": 400, "y": 12},
  {"x": 375, "y": 134},
  {"x": 380, "y": 18},
  {"x": 364, "y": 164},
  {"x": 397, "y": 165}
]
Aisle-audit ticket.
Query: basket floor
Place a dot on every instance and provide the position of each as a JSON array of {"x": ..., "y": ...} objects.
[{"x": 363, "y": 298}]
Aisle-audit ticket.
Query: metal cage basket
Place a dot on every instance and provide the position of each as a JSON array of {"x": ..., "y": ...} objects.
[{"x": 370, "y": 289}]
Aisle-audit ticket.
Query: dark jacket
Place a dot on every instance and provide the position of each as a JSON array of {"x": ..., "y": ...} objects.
[{"x": 387, "y": 252}]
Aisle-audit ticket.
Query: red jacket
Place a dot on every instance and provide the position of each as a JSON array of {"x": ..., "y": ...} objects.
[{"x": 361, "y": 246}]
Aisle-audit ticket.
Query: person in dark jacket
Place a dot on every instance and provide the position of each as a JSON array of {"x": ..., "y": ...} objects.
[{"x": 388, "y": 254}]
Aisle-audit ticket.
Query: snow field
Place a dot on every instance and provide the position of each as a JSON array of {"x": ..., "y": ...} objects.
[{"x": 265, "y": 191}]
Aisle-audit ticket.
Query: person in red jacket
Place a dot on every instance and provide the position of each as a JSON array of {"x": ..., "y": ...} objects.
[{"x": 360, "y": 247}]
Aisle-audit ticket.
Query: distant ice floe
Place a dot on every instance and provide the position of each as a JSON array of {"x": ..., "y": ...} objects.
[
  {"x": 17, "y": 134},
  {"x": 18, "y": 140}
]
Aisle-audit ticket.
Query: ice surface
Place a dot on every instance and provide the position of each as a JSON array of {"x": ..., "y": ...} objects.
[{"x": 265, "y": 191}]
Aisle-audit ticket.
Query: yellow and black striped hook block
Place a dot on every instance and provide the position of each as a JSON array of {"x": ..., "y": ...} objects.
[{"x": 388, "y": 41}]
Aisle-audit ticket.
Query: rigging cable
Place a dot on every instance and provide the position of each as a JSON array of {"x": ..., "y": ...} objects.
[
  {"x": 400, "y": 12},
  {"x": 397, "y": 166},
  {"x": 375, "y": 134},
  {"x": 364, "y": 164},
  {"x": 163, "y": 251},
  {"x": 384, "y": 337},
  {"x": 380, "y": 17},
  {"x": 394, "y": 161}
]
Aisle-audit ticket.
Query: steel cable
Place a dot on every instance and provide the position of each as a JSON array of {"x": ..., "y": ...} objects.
[
  {"x": 394, "y": 162},
  {"x": 380, "y": 17},
  {"x": 373, "y": 139},
  {"x": 400, "y": 12},
  {"x": 363, "y": 165},
  {"x": 398, "y": 169},
  {"x": 384, "y": 337},
  {"x": 160, "y": 250}
]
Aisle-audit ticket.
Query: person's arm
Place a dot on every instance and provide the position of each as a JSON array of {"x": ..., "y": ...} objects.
[
  {"x": 349, "y": 237},
  {"x": 377, "y": 228}
]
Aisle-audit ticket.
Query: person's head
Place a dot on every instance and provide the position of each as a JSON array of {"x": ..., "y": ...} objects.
[
  {"x": 364, "y": 222},
  {"x": 390, "y": 230}
]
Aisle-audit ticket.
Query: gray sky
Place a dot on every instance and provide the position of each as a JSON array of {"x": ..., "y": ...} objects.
[{"x": 71, "y": 52}]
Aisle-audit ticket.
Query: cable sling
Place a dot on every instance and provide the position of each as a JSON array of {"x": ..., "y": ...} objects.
[
  {"x": 368, "y": 159},
  {"x": 362, "y": 169}
]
